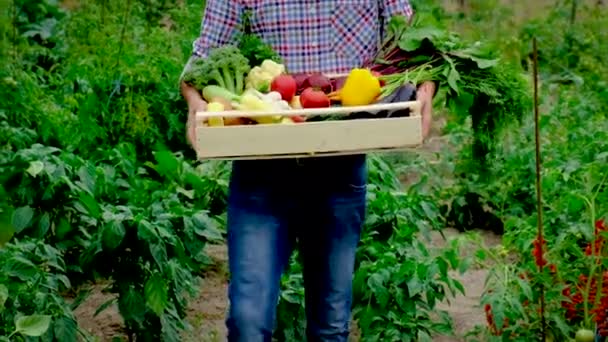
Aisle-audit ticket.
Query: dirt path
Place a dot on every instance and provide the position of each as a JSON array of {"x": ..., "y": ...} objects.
[
  {"x": 207, "y": 311},
  {"x": 465, "y": 309}
]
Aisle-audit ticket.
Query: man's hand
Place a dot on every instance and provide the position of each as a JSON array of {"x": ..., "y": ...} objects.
[
  {"x": 425, "y": 94},
  {"x": 196, "y": 105}
]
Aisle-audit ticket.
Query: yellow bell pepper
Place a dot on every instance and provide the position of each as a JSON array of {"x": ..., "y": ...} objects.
[{"x": 360, "y": 88}]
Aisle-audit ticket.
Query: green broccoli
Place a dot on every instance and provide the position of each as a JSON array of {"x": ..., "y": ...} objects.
[{"x": 225, "y": 66}]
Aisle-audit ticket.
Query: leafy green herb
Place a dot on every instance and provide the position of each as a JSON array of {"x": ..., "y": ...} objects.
[
  {"x": 252, "y": 46},
  {"x": 477, "y": 83},
  {"x": 256, "y": 50}
]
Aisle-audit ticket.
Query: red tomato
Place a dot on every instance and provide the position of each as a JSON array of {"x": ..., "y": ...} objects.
[
  {"x": 285, "y": 85},
  {"x": 311, "y": 98}
]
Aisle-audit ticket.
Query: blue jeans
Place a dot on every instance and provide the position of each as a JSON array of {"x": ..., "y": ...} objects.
[{"x": 316, "y": 204}]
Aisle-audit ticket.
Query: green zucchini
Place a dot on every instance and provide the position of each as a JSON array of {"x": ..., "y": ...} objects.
[{"x": 212, "y": 91}]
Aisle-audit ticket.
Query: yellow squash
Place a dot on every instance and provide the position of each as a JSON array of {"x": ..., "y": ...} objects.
[{"x": 215, "y": 107}]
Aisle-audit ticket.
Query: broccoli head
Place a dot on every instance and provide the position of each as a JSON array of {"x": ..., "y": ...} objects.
[{"x": 225, "y": 66}]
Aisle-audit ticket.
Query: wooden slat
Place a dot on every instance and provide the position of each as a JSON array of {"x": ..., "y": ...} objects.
[
  {"x": 414, "y": 107},
  {"x": 307, "y": 139},
  {"x": 322, "y": 138}
]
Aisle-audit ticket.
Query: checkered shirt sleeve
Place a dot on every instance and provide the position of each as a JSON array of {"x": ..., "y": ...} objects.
[
  {"x": 391, "y": 8},
  {"x": 397, "y": 7}
]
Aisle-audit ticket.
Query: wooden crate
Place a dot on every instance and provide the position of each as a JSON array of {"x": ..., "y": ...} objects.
[{"x": 307, "y": 139}]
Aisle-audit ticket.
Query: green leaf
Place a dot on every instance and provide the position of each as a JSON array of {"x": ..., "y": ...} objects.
[
  {"x": 22, "y": 218},
  {"x": 44, "y": 224},
  {"x": 575, "y": 204},
  {"x": 156, "y": 293},
  {"x": 34, "y": 325},
  {"x": 65, "y": 329},
  {"x": 188, "y": 193},
  {"x": 104, "y": 306},
  {"x": 170, "y": 329},
  {"x": 146, "y": 232},
  {"x": 414, "y": 286},
  {"x": 453, "y": 78},
  {"x": 113, "y": 234},
  {"x": 461, "y": 104},
  {"x": 88, "y": 205},
  {"x": 62, "y": 228},
  {"x": 131, "y": 305},
  {"x": 35, "y": 168},
  {"x": 87, "y": 177},
  {"x": 21, "y": 268},
  {"x": 525, "y": 288},
  {"x": 159, "y": 253},
  {"x": 484, "y": 63},
  {"x": 3, "y": 296},
  {"x": 459, "y": 286},
  {"x": 167, "y": 163},
  {"x": 6, "y": 232},
  {"x": 205, "y": 226},
  {"x": 413, "y": 38},
  {"x": 464, "y": 265}
]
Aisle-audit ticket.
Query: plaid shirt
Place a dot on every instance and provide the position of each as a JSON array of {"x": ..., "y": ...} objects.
[{"x": 331, "y": 36}]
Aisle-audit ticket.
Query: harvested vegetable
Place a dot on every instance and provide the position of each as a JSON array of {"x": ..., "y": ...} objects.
[
  {"x": 256, "y": 50},
  {"x": 285, "y": 85},
  {"x": 260, "y": 77},
  {"x": 250, "y": 100},
  {"x": 311, "y": 98},
  {"x": 253, "y": 103},
  {"x": 478, "y": 84},
  {"x": 295, "y": 102},
  {"x": 225, "y": 66},
  {"x": 318, "y": 81},
  {"x": 215, "y": 120},
  {"x": 360, "y": 88},
  {"x": 287, "y": 121},
  {"x": 313, "y": 80},
  {"x": 252, "y": 46},
  {"x": 211, "y": 92}
]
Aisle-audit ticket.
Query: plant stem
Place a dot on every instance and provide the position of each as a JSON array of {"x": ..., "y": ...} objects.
[{"x": 538, "y": 185}]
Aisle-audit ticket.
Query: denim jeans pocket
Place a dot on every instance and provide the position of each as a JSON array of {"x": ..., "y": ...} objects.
[
  {"x": 358, "y": 187},
  {"x": 347, "y": 175}
]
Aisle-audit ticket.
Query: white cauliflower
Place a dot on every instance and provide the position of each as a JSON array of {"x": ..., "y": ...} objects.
[{"x": 260, "y": 77}]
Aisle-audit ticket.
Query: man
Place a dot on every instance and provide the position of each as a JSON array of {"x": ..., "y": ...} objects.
[{"x": 317, "y": 203}]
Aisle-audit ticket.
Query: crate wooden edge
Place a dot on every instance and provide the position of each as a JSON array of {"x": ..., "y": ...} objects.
[
  {"x": 414, "y": 106},
  {"x": 237, "y": 131},
  {"x": 315, "y": 155}
]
